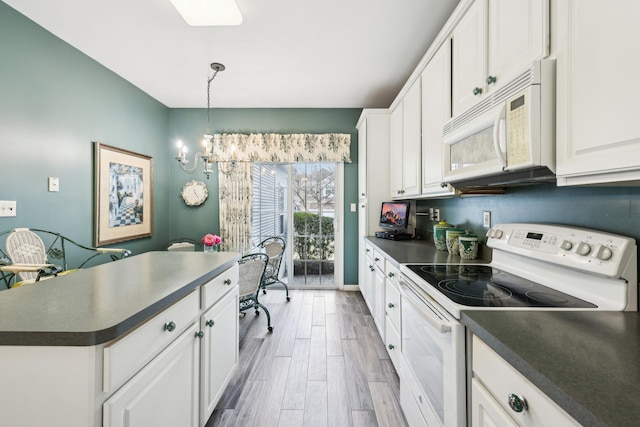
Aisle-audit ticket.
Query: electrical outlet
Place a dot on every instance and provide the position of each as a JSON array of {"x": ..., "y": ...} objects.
[
  {"x": 436, "y": 214},
  {"x": 486, "y": 219}
]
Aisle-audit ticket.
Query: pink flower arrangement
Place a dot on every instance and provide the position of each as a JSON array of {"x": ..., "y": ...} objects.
[{"x": 211, "y": 240}]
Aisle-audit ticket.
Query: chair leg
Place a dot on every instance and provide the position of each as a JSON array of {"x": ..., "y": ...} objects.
[{"x": 269, "y": 327}]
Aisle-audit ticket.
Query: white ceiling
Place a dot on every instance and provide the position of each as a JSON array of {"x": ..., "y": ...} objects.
[{"x": 285, "y": 54}]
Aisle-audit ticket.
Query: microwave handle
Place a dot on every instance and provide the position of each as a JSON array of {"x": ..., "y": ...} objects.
[{"x": 496, "y": 138}]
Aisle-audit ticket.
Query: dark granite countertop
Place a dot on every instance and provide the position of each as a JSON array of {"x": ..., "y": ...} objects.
[
  {"x": 588, "y": 362},
  {"x": 418, "y": 251},
  {"x": 98, "y": 304}
]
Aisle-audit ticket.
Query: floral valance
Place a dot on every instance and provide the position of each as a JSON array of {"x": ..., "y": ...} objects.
[{"x": 283, "y": 148}]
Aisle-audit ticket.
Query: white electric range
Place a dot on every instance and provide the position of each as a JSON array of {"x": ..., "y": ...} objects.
[{"x": 533, "y": 267}]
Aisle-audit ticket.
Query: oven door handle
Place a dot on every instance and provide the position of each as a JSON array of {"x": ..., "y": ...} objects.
[{"x": 424, "y": 307}]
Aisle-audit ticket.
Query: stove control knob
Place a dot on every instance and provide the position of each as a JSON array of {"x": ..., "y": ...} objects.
[
  {"x": 490, "y": 232},
  {"x": 603, "y": 253},
  {"x": 498, "y": 234},
  {"x": 566, "y": 245},
  {"x": 583, "y": 249}
]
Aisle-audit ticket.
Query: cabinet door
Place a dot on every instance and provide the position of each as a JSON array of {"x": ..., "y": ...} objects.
[
  {"x": 598, "y": 131},
  {"x": 411, "y": 141},
  {"x": 367, "y": 282},
  {"x": 518, "y": 35},
  {"x": 164, "y": 392},
  {"x": 379, "y": 300},
  {"x": 469, "y": 57},
  {"x": 395, "y": 152},
  {"x": 436, "y": 110},
  {"x": 219, "y": 351},
  {"x": 485, "y": 412}
]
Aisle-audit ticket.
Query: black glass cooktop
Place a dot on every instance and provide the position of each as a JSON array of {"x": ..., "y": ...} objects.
[{"x": 484, "y": 286}]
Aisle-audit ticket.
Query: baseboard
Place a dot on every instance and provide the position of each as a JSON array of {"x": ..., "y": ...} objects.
[{"x": 350, "y": 288}]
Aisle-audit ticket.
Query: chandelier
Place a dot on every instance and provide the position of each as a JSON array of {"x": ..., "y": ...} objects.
[{"x": 206, "y": 156}]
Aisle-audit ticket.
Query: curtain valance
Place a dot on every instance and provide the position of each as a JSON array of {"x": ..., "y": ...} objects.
[{"x": 283, "y": 148}]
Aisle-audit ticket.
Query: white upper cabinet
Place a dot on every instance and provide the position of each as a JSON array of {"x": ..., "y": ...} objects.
[
  {"x": 395, "y": 152},
  {"x": 469, "y": 57},
  {"x": 404, "y": 155},
  {"x": 412, "y": 140},
  {"x": 494, "y": 41},
  {"x": 598, "y": 131},
  {"x": 436, "y": 110}
]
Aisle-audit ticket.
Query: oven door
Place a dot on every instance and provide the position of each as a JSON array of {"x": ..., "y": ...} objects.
[{"x": 433, "y": 349}]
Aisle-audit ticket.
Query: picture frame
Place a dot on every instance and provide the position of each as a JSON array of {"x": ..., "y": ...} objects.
[{"x": 123, "y": 195}]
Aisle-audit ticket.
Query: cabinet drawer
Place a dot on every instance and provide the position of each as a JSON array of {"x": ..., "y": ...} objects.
[
  {"x": 379, "y": 260},
  {"x": 219, "y": 286},
  {"x": 368, "y": 250},
  {"x": 392, "y": 302},
  {"x": 500, "y": 379},
  {"x": 392, "y": 342},
  {"x": 128, "y": 354}
]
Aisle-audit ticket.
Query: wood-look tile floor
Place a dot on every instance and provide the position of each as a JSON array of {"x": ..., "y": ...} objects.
[{"x": 324, "y": 365}]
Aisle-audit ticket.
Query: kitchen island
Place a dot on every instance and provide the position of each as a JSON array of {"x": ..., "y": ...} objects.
[
  {"x": 587, "y": 362},
  {"x": 99, "y": 345}
]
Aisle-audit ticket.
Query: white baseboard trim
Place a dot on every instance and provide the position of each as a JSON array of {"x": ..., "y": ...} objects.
[{"x": 350, "y": 288}]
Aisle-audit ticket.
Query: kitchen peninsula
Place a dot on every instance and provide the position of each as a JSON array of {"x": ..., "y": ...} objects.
[{"x": 117, "y": 337}]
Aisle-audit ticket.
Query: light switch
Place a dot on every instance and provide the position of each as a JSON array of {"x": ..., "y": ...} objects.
[
  {"x": 54, "y": 183},
  {"x": 7, "y": 208},
  {"x": 353, "y": 207}
]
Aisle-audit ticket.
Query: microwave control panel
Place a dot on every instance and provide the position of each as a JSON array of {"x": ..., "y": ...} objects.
[{"x": 518, "y": 132}]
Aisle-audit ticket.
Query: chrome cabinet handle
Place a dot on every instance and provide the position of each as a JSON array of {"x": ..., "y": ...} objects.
[
  {"x": 391, "y": 346},
  {"x": 376, "y": 259},
  {"x": 371, "y": 268},
  {"x": 391, "y": 274},
  {"x": 477, "y": 91},
  {"x": 390, "y": 305},
  {"x": 517, "y": 403},
  {"x": 227, "y": 282},
  {"x": 200, "y": 334},
  {"x": 491, "y": 80},
  {"x": 171, "y": 326},
  {"x": 210, "y": 323}
]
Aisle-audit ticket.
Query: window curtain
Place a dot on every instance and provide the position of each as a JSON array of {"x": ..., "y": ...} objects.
[{"x": 236, "y": 153}]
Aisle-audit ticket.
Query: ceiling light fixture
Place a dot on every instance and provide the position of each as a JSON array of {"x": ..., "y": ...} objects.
[
  {"x": 200, "y": 13},
  {"x": 207, "y": 143}
]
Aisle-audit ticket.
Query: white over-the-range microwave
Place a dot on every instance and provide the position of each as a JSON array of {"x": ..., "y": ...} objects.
[{"x": 509, "y": 137}]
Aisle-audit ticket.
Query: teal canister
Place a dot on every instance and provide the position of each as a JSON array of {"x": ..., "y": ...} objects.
[
  {"x": 468, "y": 245},
  {"x": 452, "y": 234},
  {"x": 439, "y": 235}
]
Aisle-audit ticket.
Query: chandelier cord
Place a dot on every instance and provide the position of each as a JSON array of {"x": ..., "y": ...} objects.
[{"x": 209, "y": 80}]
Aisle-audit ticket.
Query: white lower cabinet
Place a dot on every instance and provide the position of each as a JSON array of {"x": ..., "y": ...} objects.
[
  {"x": 485, "y": 410},
  {"x": 219, "y": 351},
  {"x": 164, "y": 392},
  {"x": 378, "y": 299},
  {"x": 495, "y": 382}
]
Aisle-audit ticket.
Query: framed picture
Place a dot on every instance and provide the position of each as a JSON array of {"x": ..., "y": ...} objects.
[{"x": 124, "y": 195}]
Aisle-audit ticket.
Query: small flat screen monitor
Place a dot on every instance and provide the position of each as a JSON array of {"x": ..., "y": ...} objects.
[{"x": 394, "y": 215}]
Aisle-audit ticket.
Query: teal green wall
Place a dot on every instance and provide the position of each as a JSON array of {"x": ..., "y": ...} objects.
[
  {"x": 189, "y": 125},
  {"x": 54, "y": 101},
  {"x": 611, "y": 209}
]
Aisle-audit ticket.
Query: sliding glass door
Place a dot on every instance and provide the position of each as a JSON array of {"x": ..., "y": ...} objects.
[{"x": 301, "y": 203}]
